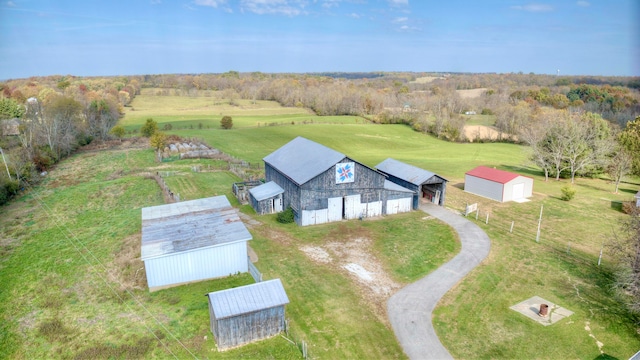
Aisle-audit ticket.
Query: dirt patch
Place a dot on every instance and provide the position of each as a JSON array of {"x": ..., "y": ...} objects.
[
  {"x": 471, "y": 93},
  {"x": 127, "y": 268},
  {"x": 352, "y": 256}
]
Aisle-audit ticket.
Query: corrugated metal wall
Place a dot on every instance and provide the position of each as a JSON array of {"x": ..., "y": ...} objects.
[
  {"x": 242, "y": 329},
  {"x": 197, "y": 265},
  {"x": 482, "y": 187}
]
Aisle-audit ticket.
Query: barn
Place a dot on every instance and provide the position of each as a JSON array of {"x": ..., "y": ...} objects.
[
  {"x": 266, "y": 198},
  {"x": 323, "y": 185},
  {"x": 425, "y": 184},
  {"x": 247, "y": 313},
  {"x": 497, "y": 184},
  {"x": 192, "y": 241}
]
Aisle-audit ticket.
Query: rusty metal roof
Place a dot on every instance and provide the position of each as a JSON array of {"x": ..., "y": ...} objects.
[{"x": 189, "y": 226}]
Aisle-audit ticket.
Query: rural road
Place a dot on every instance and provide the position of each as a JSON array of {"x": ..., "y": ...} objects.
[{"x": 410, "y": 308}]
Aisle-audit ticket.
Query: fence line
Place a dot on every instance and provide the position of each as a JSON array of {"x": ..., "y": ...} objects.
[
  {"x": 169, "y": 195},
  {"x": 253, "y": 270},
  {"x": 297, "y": 341}
]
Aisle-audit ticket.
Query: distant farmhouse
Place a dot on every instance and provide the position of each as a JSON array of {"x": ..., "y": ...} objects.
[
  {"x": 192, "y": 241},
  {"x": 497, "y": 184},
  {"x": 424, "y": 184},
  {"x": 322, "y": 185}
]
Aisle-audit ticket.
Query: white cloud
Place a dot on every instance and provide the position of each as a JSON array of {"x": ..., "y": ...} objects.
[
  {"x": 400, "y": 20},
  {"x": 398, "y": 2},
  {"x": 210, "y": 3},
  {"x": 355, "y": 16},
  {"x": 156, "y": 2},
  {"x": 278, "y": 7},
  {"x": 328, "y": 4},
  {"x": 534, "y": 7},
  {"x": 583, "y": 3},
  {"x": 11, "y": 4}
]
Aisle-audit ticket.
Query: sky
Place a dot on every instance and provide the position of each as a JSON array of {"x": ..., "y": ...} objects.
[{"x": 136, "y": 37}]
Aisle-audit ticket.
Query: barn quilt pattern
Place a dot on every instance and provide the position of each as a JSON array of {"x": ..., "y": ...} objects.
[{"x": 345, "y": 173}]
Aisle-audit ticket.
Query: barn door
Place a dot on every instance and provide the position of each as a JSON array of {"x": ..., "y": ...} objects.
[
  {"x": 436, "y": 199},
  {"x": 335, "y": 209},
  {"x": 518, "y": 191},
  {"x": 277, "y": 204},
  {"x": 352, "y": 207}
]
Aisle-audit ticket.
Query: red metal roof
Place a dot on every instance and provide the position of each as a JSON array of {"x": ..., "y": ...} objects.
[{"x": 487, "y": 173}]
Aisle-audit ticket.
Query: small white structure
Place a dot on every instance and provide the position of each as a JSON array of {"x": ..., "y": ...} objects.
[
  {"x": 638, "y": 199},
  {"x": 497, "y": 184},
  {"x": 192, "y": 241}
]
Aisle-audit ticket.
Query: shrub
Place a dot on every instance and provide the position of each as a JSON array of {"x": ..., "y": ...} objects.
[
  {"x": 568, "y": 192},
  {"x": 149, "y": 128},
  {"x": 486, "y": 111},
  {"x": 167, "y": 127},
  {"x": 285, "y": 217},
  {"x": 226, "y": 122},
  {"x": 158, "y": 140}
]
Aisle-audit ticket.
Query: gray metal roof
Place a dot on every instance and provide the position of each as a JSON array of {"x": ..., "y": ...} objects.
[
  {"x": 406, "y": 172},
  {"x": 388, "y": 185},
  {"x": 266, "y": 191},
  {"x": 190, "y": 225},
  {"x": 301, "y": 159},
  {"x": 247, "y": 299}
]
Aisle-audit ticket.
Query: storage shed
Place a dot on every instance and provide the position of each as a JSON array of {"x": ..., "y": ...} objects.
[
  {"x": 266, "y": 198},
  {"x": 425, "y": 184},
  {"x": 192, "y": 241},
  {"x": 322, "y": 185},
  {"x": 497, "y": 184},
  {"x": 248, "y": 313}
]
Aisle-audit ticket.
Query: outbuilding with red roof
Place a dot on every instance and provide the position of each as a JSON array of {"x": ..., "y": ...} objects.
[{"x": 497, "y": 184}]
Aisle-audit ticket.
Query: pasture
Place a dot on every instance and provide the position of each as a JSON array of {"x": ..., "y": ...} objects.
[{"x": 88, "y": 299}]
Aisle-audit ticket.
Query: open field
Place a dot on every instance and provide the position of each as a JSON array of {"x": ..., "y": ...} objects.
[{"x": 90, "y": 206}]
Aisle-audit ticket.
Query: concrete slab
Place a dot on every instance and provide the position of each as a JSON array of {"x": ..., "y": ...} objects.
[{"x": 531, "y": 308}]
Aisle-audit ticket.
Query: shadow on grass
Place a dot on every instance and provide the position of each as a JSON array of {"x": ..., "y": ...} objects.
[
  {"x": 605, "y": 357},
  {"x": 629, "y": 191},
  {"x": 528, "y": 171},
  {"x": 459, "y": 185}
]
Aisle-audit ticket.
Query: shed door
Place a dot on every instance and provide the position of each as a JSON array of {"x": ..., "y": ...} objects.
[
  {"x": 518, "y": 191},
  {"x": 277, "y": 204},
  {"x": 352, "y": 207},
  {"x": 335, "y": 209}
]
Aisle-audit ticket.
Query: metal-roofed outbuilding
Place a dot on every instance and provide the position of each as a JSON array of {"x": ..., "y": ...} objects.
[
  {"x": 247, "y": 313},
  {"x": 425, "y": 184},
  {"x": 192, "y": 241},
  {"x": 266, "y": 198},
  {"x": 497, "y": 184}
]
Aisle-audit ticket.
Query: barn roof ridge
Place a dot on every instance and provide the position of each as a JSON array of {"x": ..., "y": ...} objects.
[{"x": 493, "y": 174}]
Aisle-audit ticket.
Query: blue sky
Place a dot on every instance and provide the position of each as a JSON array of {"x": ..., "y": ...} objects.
[{"x": 94, "y": 38}]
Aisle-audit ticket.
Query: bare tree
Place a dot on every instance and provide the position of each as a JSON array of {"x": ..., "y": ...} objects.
[{"x": 619, "y": 166}]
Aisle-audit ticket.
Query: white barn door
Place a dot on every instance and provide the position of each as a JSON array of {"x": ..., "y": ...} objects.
[
  {"x": 518, "y": 191},
  {"x": 335, "y": 209},
  {"x": 352, "y": 207}
]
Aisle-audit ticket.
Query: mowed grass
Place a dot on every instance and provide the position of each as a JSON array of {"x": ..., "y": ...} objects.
[{"x": 73, "y": 284}]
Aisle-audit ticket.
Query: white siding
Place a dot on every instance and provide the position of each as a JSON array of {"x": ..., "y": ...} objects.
[
  {"x": 314, "y": 217},
  {"x": 399, "y": 206},
  {"x": 197, "y": 265},
  {"x": 371, "y": 209},
  {"x": 335, "y": 209},
  {"x": 352, "y": 207},
  {"x": 486, "y": 188}
]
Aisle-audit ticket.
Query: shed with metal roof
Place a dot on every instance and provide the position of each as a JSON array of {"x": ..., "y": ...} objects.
[
  {"x": 323, "y": 185},
  {"x": 247, "y": 313},
  {"x": 266, "y": 198},
  {"x": 425, "y": 184},
  {"x": 498, "y": 185},
  {"x": 192, "y": 241}
]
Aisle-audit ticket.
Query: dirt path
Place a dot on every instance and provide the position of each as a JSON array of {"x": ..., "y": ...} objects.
[{"x": 410, "y": 308}]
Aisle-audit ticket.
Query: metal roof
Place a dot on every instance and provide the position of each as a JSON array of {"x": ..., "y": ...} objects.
[
  {"x": 190, "y": 225},
  {"x": 487, "y": 173},
  {"x": 301, "y": 159},
  {"x": 406, "y": 172},
  {"x": 266, "y": 191},
  {"x": 247, "y": 299},
  {"x": 388, "y": 185}
]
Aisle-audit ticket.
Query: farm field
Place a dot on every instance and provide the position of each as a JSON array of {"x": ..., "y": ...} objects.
[{"x": 79, "y": 303}]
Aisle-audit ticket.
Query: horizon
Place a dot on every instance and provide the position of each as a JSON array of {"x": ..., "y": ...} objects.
[{"x": 574, "y": 38}]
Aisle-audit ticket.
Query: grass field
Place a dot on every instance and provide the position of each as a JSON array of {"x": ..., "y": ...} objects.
[{"x": 76, "y": 305}]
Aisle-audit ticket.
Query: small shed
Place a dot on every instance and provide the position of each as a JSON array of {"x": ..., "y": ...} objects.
[
  {"x": 192, "y": 241},
  {"x": 497, "y": 184},
  {"x": 266, "y": 198},
  {"x": 425, "y": 184},
  {"x": 247, "y": 313}
]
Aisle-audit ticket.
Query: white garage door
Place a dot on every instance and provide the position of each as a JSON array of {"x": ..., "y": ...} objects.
[{"x": 518, "y": 191}]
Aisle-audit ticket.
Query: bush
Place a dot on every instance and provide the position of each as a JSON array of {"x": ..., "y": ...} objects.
[
  {"x": 568, "y": 192},
  {"x": 285, "y": 217},
  {"x": 149, "y": 128},
  {"x": 8, "y": 188},
  {"x": 486, "y": 111},
  {"x": 226, "y": 122},
  {"x": 158, "y": 140}
]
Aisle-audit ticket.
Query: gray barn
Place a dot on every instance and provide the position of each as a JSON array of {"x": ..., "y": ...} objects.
[
  {"x": 424, "y": 183},
  {"x": 266, "y": 198},
  {"x": 248, "y": 313},
  {"x": 322, "y": 185},
  {"x": 191, "y": 241}
]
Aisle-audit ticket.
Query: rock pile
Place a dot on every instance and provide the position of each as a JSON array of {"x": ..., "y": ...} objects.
[{"x": 189, "y": 151}]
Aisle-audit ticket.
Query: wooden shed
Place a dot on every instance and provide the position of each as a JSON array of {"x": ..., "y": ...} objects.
[
  {"x": 425, "y": 184},
  {"x": 497, "y": 184},
  {"x": 192, "y": 241},
  {"x": 248, "y": 313},
  {"x": 266, "y": 198},
  {"x": 323, "y": 185}
]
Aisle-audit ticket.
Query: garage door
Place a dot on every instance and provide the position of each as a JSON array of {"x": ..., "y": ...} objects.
[{"x": 518, "y": 191}]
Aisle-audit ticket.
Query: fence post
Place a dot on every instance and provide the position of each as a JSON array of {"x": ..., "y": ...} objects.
[
  {"x": 539, "y": 222},
  {"x": 600, "y": 257},
  {"x": 511, "y": 229},
  {"x": 477, "y": 212},
  {"x": 487, "y": 221}
]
